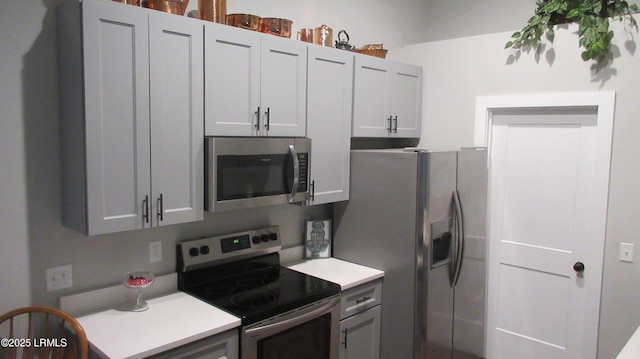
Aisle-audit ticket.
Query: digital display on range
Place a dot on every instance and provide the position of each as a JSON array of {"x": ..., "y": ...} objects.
[{"x": 237, "y": 243}]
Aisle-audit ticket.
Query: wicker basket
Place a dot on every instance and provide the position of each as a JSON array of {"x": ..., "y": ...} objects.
[{"x": 374, "y": 52}]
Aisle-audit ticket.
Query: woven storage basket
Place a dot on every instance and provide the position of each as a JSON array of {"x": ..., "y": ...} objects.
[{"x": 374, "y": 52}]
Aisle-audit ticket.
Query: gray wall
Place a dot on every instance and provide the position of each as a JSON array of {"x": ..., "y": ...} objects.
[
  {"x": 391, "y": 23},
  {"x": 448, "y": 19},
  {"x": 454, "y": 77}
]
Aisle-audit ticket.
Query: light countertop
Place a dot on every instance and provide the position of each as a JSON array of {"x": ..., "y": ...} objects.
[
  {"x": 346, "y": 274},
  {"x": 171, "y": 321},
  {"x": 632, "y": 349},
  {"x": 178, "y": 318}
]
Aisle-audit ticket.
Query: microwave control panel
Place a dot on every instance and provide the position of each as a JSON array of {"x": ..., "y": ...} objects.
[{"x": 303, "y": 162}]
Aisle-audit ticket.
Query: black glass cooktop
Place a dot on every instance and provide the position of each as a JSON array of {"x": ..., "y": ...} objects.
[{"x": 256, "y": 289}]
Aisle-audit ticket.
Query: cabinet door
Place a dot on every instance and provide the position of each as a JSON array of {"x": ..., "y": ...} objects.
[
  {"x": 116, "y": 85},
  {"x": 371, "y": 97},
  {"x": 329, "y": 101},
  {"x": 177, "y": 139},
  {"x": 407, "y": 100},
  {"x": 283, "y": 87},
  {"x": 232, "y": 81},
  {"x": 360, "y": 335}
]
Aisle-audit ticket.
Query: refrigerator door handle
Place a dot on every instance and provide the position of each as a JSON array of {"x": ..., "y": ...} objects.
[{"x": 458, "y": 238}]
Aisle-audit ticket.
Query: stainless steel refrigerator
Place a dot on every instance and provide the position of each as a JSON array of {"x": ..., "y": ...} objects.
[{"x": 421, "y": 217}]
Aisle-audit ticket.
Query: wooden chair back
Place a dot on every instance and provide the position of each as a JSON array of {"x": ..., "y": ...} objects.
[{"x": 42, "y": 332}]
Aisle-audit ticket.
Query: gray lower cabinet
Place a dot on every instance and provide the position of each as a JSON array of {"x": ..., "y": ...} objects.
[
  {"x": 220, "y": 346},
  {"x": 360, "y": 313}
]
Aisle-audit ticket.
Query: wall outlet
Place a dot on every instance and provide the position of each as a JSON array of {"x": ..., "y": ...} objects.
[
  {"x": 59, "y": 277},
  {"x": 626, "y": 252},
  {"x": 155, "y": 251}
]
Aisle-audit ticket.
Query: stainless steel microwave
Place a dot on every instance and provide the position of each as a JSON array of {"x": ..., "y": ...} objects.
[{"x": 247, "y": 172}]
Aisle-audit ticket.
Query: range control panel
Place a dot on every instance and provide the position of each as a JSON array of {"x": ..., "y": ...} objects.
[{"x": 209, "y": 251}]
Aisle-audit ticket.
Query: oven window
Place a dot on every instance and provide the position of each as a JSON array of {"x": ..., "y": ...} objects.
[
  {"x": 251, "y": 176},
  {"x": 311, "y": 340}
]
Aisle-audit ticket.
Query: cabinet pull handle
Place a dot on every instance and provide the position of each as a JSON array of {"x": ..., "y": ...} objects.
[
  {"x": 267, "y": 120},
  {"x": 363, "y": 299},
  {"x": 145, "y": 209},
  {"x": 257, "y": 125},
  {"x": 161, "y": 207},
  {"x": 390, "y": 125},
  {"x": 346, "y": 332},
  {"x": 313, "y": 190},
  {"x": 395, "y": 124}
]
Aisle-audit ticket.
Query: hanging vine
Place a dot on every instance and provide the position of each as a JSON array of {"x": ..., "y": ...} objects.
[{"x": 592, "y": 17}]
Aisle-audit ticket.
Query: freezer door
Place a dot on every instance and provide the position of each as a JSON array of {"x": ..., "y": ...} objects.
[
  {"x": 468, "y": 324},
  {"x": 435, "y": 297}
]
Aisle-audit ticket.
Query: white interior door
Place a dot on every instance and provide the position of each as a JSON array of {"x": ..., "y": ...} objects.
[{"x": 548, "y": 185}]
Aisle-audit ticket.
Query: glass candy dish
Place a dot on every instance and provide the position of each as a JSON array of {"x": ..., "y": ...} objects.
[{"x": 139, "y": 281}]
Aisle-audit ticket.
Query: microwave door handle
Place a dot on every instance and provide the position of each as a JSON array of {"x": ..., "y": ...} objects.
[{"x": 296, "y": 172}]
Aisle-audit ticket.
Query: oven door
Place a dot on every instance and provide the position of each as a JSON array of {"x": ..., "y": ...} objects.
[
  {"x": 254, "y": 172},
  {"x": 310, "y": 332}
]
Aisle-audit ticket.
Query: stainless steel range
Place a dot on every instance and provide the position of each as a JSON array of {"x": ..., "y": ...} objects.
[{"x": 284, "y": 313}]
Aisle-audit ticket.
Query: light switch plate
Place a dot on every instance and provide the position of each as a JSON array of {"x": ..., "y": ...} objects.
[
  {"x": 59, "y": 277},
  {"x": 626, "y": 252}
]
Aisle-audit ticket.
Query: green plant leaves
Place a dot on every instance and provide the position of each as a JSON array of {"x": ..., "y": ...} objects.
[
  {"x": 592, "y": 16},
  {"x": 573, "y": 14},
  {"x": 594, "y": 37}
]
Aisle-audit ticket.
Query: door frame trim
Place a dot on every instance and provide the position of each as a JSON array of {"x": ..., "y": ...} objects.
[
  {"x": 486, "y": 105},
  {"x": 604, "y": 104}
]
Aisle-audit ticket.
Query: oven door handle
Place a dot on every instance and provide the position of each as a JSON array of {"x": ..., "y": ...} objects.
[
  {"x": 266, "y": 330},
  {"x": 296, "y": 173}
]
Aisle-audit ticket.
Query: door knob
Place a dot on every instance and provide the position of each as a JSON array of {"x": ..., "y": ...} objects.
[{"x": 578, "y": 267}]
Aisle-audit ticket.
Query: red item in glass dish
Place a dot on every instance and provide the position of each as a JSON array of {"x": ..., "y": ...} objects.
[{"x": 138, "y": 281}]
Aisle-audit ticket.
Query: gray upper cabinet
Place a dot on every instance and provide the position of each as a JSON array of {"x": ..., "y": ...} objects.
[
  {"x": 255, "y": 84},
  {"x": 132, "y": 116},
  {"x": 387, "y": 100},
  {"x": 177, "y": 127},
  {"x": 329, "y": 104},
  {"x": 141, "y": 88}
]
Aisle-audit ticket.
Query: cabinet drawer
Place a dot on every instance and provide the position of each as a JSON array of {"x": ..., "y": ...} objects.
[
  {"x": 360, "y": 298},
  {"x": 219, "y": 346}
]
